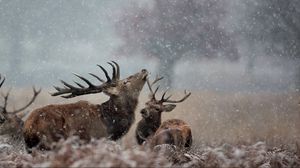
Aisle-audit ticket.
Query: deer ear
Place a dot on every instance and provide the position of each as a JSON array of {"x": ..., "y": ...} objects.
[
  {"x": 111, "y": 91},
  {"x": 169, "y": 107}
]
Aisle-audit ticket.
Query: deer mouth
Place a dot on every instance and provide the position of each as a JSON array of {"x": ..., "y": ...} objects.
[
  {"x": 145, "y": 74},
  {"x": 145, "y": 77}
]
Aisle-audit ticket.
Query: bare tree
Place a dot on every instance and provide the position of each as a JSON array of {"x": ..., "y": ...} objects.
[
  {"x": 274, "y": 24},
  {"x": 172, "y": 29}
]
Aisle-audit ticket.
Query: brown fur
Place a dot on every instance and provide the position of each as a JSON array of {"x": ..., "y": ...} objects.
[
  {"x": 149, "y": 128},
  {"x": 53, "y": 122},
  {"x": 10, "y": 124},
  {"x": 111, "y": 119},
  {"x": 173, "y": 131}
]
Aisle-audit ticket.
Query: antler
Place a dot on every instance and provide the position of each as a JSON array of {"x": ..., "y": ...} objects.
[
  {"x": 73, "y": 91},
  {"x": 163, "y": 99},
  {"x": 4, "y": 110},
  {"x": 1, "y": 82},
  {"x": 167, "y": 100},
  {"x": 152, "y": 94},
  {"x": 35, "y": 94}
]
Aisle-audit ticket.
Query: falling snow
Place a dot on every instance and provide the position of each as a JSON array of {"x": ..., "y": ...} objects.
[{"x": 239, "y": 59}]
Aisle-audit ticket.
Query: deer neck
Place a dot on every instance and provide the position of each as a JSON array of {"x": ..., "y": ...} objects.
[
  {"x": 118, "y": 115},
  {"x": 126, "y": 104},
  {"x": 155, "y": 123},
  {"x": 119, "y": 105}
]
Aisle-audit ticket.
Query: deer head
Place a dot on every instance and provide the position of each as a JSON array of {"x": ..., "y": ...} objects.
[
  {"x": 10, "y": 121},
  {"x": 154, "y": 107},
  {"x": 113, "y": 86}
]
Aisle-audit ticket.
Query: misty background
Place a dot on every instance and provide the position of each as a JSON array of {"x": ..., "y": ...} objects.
[{"x": 196, "y": 44}]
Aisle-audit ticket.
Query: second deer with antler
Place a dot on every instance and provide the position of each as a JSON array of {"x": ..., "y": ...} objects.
[
  {"x": 150, "y": 129},
  {"x": 11, "y": 122},
  {"x": 111, "y": 119}
]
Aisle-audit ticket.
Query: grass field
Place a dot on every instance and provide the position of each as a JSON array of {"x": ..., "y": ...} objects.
[
  {"x": 214, "y": 117},
  {"x": 218, "y": 119}
]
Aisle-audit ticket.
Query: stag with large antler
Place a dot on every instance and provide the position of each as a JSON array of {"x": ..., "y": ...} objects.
[
  {"x": 11, "y": 121},
  {"x": 111, "y": 119},
  {"x": 149, "y": 128}
]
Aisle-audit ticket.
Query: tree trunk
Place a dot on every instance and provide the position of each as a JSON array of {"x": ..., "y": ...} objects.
[
  {"x": 250, "y": 65},
  {"x": 166, "y": 69},
  {"x": 297, "y": 78},
  {"x": 16, "y": 51}
]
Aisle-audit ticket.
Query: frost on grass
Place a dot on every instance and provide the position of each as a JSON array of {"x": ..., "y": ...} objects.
[
  {"x": 74, "y": 153},
  {"x": 104, "y": 153}
]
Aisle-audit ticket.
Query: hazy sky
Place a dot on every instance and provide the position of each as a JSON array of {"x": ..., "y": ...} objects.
[{"x": 56, "y": 38}]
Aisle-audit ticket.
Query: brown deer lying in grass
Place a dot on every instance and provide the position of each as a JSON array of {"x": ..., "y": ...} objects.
[
  {"x": 11, "y": 121},
  {"x": 150, "y": 129},
  {"x": 111, "y": 119}
]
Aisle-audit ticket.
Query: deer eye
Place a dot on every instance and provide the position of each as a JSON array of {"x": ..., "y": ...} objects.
[{"x": 125, "y": 82}]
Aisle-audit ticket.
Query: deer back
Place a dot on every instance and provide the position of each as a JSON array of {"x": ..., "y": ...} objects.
[
  {"x": 53, "y": 122},
  {"x": 174, "y": 132}
]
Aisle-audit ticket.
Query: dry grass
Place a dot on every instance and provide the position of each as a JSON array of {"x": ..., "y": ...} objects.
[
  {"x": 102, "y": 153},
  {"x": 214, "y": 117},
  {"x": 242, "y": 119}
]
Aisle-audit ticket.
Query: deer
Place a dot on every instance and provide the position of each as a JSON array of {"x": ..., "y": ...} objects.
[
  {"x": 111, "y": 119},
  {"x": 11, "y": 122},
  {"x": 151, "y": 131}
]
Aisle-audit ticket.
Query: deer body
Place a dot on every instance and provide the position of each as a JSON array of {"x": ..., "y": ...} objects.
[
  {"x": 111, "y": 119},
  {"x": 54, "y": 122},
  {"x": 175, "y": 132}
]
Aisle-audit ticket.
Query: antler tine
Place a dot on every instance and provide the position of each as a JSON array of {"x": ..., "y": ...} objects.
[
  {"x": 150, "y": 88},
  {"x": 156, "y": 89},
  {"x": 5, "y": 100},
  {"x": 78, "y": 84},
  {"x": 67, "y": 85},
  {"x": 175, "y": 101},
  {"x": 152, "y": 94},
  {"x": 1, "y": 82},
  {"x": 168, "y": 98},
  {"x": 85, "y": 80},
  {"x": 105, "y": 72},
  {"x": 97, "y": 77},
  {"x": 157, "y": 79},
  {"x": 114, "y": 73},
  {"x": 163, "y": 96},
  {"x": 118, "y": 70},
  {"x": 35, "y": 94}
]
